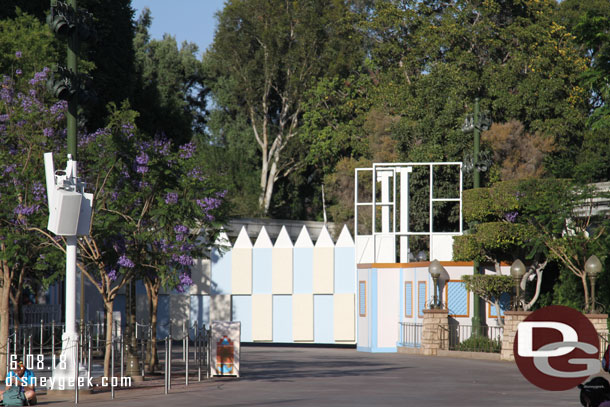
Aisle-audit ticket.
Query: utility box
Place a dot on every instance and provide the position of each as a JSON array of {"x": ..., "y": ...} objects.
[
  {"x": 226, "y": 337},
  {"x": 70, "y": 207}
]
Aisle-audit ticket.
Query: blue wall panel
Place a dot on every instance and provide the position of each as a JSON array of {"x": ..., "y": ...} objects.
[
  {"x": 345, "y": 270},
  {"x": 408, "y": 295},
  {"x": 457, "y": 299},
  {"x": 242, "y": 311},
  {"x": 200, "y": 311},
  {"x": 421, "y": 298},
  {"x": 303, "y": 270},
  {"x": 221, "y": 272},
  {"x": 282, "y": 318},
  {"x": 163, "y": 316},
  {"x": 261, "y": 271},
  {"x": 323, "y": 316}
]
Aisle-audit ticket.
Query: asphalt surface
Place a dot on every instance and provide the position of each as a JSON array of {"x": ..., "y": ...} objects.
[{"x": 300, "y": 376}]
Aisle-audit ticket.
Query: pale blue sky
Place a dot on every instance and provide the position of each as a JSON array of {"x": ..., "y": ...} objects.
[{"x": 187, "y": 20}]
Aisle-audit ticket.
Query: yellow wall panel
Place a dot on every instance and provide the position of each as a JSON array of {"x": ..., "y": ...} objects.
[
  {"x": 262, "y": 317},
  {"x": 241, "y": 271},
  {"x": 344, "y": 318},
  {"x": 302, "y": 317}
]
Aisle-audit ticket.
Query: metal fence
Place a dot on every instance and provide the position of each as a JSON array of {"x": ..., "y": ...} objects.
[
  {"x": 41, "y": 343},
  {"x": 410, "y": 334},
  {"x": 467, "y": 338}
]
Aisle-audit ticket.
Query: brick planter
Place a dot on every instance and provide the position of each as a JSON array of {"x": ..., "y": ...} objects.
[
  {"x": 511, "y": 322},
  {"x": 513, "y": 318},
  {"x": 435, "y": 322},
  {"x": 600, "y": 322}
]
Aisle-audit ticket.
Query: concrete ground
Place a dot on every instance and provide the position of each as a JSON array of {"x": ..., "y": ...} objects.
[{"x": 303, "y": 376}]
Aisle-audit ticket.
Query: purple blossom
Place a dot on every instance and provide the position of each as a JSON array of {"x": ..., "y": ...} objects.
[
  {"x": 48, "y": 132},
  {"x": 183, "y": 259},
  {"x": 162, "y": 146},
  {"x": 38, "y": 191},
  {"x": 18, "y": 72},
  {"x": 171, "y": 198},
  {"x": 18, "y": 54},
  {"x": 9, "y": 168},
  {"x": 511, "y": 216},
  {"x": 181, "y": 229},
  {"x": 114, "y": 195},
  {"x": 59, "y": 107},
  {"x": 39, "y": 76},
  {"x": 142, "y": 159},
  {"x": 195, "y": 173},
  {"x": 185, "y": 282},
  {"x": 112, "y": 275},
  {"x": 187, "y": 150},
  {"x": 4, "y": 117},
  {"x": 187, "y": 247},
  {"x": 141, "y": 169},
  {"x": 124, "y": 261},
  {"x": 26, "y": 210},
  {"x": 208, "y": 204},
  {"x": 85, "y": 139}
]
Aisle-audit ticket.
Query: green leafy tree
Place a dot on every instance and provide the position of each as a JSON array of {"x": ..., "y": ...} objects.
[
  {"x": 499, "y": 233},
  {"x": 30, "y": 124},
  {"x": 569, "y": 226},
  {"x": 283, "y": 47},
  {"x": 490, "y": 288},
  {"x": 170, "y": 94}
]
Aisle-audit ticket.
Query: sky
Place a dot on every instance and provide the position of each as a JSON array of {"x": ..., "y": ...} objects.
[{"x": 187, "y": 20}]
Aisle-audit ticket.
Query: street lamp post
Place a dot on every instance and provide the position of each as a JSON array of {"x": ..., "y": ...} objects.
[
  {"x": 476, "y": 124},
  {"x": 435, "y": 269},
  {"x": 593, "y": 267},
  {"x": 517, "y": 271}
]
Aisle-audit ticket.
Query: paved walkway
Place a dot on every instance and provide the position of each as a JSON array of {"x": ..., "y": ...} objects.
[{"x": 298, "y": 376}]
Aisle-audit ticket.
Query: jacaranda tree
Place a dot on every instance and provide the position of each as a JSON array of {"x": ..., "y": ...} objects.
[{"x": 30, "y": 124}]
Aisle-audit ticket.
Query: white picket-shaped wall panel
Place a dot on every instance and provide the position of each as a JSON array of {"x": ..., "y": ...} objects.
[
  {"x": 285, "y": 292},
  {"x": 241, "y": 265},
  {"x": 282, "y": 264},
  {"x": 281, "y": 291},
  {"x": 323, "y": 264}
]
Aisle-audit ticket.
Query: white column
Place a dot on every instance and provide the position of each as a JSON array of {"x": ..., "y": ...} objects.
[
  {"x": 71, "y": 285},
  {"x": 384, "y": 178},
  {"x": 404, "y": 212}
]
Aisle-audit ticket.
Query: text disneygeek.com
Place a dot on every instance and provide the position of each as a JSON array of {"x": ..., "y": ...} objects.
[{"x": 65, "y": 383}]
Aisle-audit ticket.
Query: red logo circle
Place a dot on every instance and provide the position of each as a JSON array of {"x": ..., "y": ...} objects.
[{"x": 556, "y": 351}]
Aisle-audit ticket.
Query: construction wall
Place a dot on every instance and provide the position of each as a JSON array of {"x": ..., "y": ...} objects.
[{"x": 283, "y": 292}]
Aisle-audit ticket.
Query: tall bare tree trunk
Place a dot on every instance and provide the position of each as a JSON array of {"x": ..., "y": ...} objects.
[
  {"x": 15, "y": 299},
  {"x": 152, "y": 358},
  {"x": 4, "y": 315},
  {"x": 108, "y": 306}
]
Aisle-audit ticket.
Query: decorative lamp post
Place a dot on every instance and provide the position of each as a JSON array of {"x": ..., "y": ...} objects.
[
  {"x": 475, "y": 124},
  {"x": 435, "y": 270},
  {"x": 517, "y": 271},
  {"x": 593, "y": 267}
]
